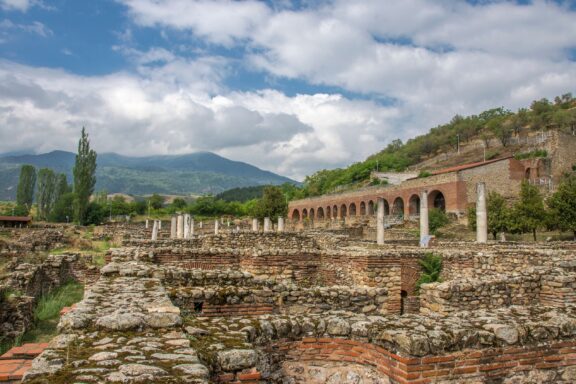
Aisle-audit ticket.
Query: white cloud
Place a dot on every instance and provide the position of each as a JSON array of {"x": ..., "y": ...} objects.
[
  {"x": 432, "y": 58},
  {"x": 36, "y": 27},
  {"x": 19, "y": 5}
]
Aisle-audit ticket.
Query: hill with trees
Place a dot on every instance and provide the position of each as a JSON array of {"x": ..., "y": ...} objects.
[
  {"x": 196, "y": 173},
  {"x": 496, "y": 124}
]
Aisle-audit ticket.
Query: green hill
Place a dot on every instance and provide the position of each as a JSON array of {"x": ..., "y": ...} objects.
[
  {"x": 196, "y": 173},
  {"x": 496, "y": 123}
]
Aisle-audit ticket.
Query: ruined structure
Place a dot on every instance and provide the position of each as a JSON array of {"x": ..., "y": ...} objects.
[
  {"x": 317, "y": 307},
  {"x": 451, "y": 189}
]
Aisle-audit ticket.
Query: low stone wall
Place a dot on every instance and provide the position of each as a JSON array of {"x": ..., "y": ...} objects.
[
  {"x": 283, "y": 299},
  {"x": 21, "y": 241},
  {"x": 38, "y": 279},
  {"x": 493, "y": 291},
  {"x": 16, "y": 316}
]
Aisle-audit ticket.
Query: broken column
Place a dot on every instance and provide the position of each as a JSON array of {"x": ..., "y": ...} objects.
[
  {"x": 255, "y": 225},
  {"x": 267, "y": 224},
  {"x": 180, "y": 227},
  {"x": 280, "y": 224},
  {"x": 154, "y": 230},
  {"x": 159, "y": 224},
  {"x": 380, "y": 222},
  {"x": 424, "y": 228},
  {"x": 173, "y": 222},
  {"x": 481, "y": 214},
  {"x": 191, "y": 227},
  {"x": 146, "y": 223},
  {"x": 186, "y": 225},
  {"x": 216, "y": 226}
]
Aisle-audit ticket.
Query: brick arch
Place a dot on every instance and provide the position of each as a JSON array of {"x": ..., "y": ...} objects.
[
  {"x": 304, "y": 213},
  {"x": 320, "y": 213},
  {"x": 398, "y": 207},
  {"x": 328, "y": 212},
  {"x": 437, "y": 199},
  {"x": 362, "y": 208},
  {"x": 352, "y": 209},
  {"x": 371, "y": 209},
  {"x": 312, "y": 217},
  {"x": 386, "y": 208},
  {"x": 335, "y": 211},
  {"x": 343, "y": 211},
  {"x": 295, "y": 215},
  {"x": 414, "y": 205}
]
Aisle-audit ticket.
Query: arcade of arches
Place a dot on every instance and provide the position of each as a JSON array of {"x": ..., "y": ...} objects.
[{"x": 398, "y": 206}]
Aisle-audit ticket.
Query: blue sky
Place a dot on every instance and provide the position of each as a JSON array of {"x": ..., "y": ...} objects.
[{"x": 290, "y": 86}]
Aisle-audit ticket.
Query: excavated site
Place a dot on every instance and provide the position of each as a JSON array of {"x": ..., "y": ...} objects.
[{"x": 297, "y": 307}]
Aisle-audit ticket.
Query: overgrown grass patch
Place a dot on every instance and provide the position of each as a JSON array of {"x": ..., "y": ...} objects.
[{"x": 47, "y": 312}]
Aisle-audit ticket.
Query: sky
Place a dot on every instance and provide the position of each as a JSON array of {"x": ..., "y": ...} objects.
[{"x": 291, "y": 86}]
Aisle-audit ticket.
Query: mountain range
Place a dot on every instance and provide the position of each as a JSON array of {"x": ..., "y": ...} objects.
[{"x": 194, "y": 173}]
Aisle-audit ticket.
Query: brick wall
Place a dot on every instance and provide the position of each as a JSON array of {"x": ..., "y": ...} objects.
[{"x": 490, "y": 365}]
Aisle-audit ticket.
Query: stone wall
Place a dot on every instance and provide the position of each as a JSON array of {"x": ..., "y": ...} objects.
[
  {"x": 38, "y": 279},
  {"x": 493, "y": 291},
  {"x": 282, "y": 299},
  {"x": 22, "y": 241}
]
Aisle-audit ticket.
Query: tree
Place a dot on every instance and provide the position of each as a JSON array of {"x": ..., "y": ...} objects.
[
  {"x": 529, "y": 213},
  {"x": 563, "y": 205},
  {"x": 63, "y": 209},
  {"x": 501, "y": 129},
  {"x": 45, "y": 192},
  {"x": 62, "y": 186},
  {"x": 156, "y": 201},
  {"x": 84, "y": 178},
  {"x": 273, "y": 204},
  {"x": 179, "y": 203},
  {"x": 25, "y": 191},
  {"x": 436, "y": 220},
  {"x": 498, "y": 214}
]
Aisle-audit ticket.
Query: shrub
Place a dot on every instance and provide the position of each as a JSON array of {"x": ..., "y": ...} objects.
[
  {"x": 424, "y": 174},
  {"x": 436, "y": 220},
  {"x": 431, "y": 269}
]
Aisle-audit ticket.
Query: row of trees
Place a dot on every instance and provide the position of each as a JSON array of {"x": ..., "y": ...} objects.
[
  {"x": 55, "y": 199},
  {"x": 273, "y": 203},
  {"x": 496, "y": 123},
  {"x": 531, "y": 213}
]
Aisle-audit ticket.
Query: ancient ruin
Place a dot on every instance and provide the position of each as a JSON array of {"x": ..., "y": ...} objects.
[{"x": 255, "y": 303}]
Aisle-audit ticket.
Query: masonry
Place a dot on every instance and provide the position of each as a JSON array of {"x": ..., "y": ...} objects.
[{"x": 315, "y": 307}]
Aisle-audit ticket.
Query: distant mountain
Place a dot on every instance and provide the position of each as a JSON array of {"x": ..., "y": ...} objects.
[{"x": 195, "y": 173}]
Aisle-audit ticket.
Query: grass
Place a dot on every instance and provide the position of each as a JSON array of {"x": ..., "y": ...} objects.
[{"x": 47, "y": 312}]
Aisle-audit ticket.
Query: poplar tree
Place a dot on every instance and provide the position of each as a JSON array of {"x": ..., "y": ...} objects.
[
  {"x": 25, "y": 191},
  {"x": 45, "y": 192},
  {"x": 84, "y": 177}
]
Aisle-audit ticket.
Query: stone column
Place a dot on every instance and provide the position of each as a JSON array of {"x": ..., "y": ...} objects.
[
  {"x": 216, "y": 227},
  {"x": 173, "y": 222},
  {"x": 186, "y": 225},
  {"x": 201, "y": 224},
  {"x": 380, "y": 222},
  {"x": 255, "y": 225},
  {"x": 267, "y": 224},
  {"x": 280, "y": 224},
  {"x": 424, "y": 228},
  {"x": 154, "y": 230},
  {"x": 481, "y": 214},
  {"x": 159, "y": 224},
  {"x": 191, "y": 227},
  {"x": 146, "y": 223},
  {"x": 180, "y": 227}
]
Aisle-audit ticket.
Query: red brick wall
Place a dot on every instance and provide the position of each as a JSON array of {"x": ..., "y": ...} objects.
[{"x": 487, "y": 364}]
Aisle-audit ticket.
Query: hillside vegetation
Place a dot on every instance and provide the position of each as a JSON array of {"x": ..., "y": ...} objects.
[{"x": 497, "y": 123}]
